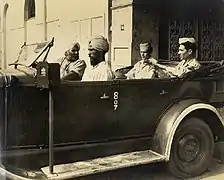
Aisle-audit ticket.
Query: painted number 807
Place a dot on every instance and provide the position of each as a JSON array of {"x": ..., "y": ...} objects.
[{"x": 115, "y": 100}]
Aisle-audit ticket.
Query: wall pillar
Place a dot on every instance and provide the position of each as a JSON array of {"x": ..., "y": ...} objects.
[
  {"x": 4, "y": 38},
  {"x": 122, "y": 21}
]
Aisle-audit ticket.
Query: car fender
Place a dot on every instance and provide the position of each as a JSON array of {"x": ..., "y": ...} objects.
[{"x": 169, "y": 122}]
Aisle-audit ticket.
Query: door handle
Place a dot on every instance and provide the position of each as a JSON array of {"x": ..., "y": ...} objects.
[
  {"x": 104, "y": 96},
  {"x": 163, "y": 92}
]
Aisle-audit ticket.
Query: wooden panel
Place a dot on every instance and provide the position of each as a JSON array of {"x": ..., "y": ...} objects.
[
  {"x": 98, "y": 26},
  {"x": 121, "y": 56},
  {"x": 180, "y": 28},
  {"x": 212, "y": 40},
  {"x": 208, "y": 33}
]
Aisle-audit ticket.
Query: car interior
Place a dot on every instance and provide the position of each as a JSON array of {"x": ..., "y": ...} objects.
[{"x": 207, "y": 69}]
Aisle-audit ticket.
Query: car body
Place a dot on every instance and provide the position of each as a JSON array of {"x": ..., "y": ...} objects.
[{"x": 110, "y": 118}]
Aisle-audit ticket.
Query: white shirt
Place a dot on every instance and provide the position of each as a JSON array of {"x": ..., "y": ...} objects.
[
  {"x": 143, "y": 69},
  {"x": 100, "y": 72}
]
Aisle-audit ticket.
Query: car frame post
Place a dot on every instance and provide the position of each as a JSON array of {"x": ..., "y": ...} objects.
[
  {"x": 51, "y": 131},
  {"x": 48, "y": 77}
]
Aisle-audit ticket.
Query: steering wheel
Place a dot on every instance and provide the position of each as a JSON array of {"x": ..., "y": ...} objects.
[{"x": 16, "y": 64}]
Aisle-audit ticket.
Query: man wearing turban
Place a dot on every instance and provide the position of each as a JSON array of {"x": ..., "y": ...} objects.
[
  {"x": 145, "y": 67},
  {"x": 72, "y": 68},
  {"x": 100, "y": 71},
  {"x": 188, "y": 63}
]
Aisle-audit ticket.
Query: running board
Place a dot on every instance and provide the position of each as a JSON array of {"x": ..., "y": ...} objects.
[{"x": 93, "y": 166}]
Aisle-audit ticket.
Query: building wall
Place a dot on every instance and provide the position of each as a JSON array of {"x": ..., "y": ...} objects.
[
  {"x": 125, "y": 24},
  {"x": 12, "y": 30},
  {"x": 122, "y": 21},
  {"x": 72, "y": 20},
  {"x": 121, "y": 36},
  {"x": 77, "y": 20}
]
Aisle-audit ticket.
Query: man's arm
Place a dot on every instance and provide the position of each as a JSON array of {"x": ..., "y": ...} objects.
[
  {"x": 72, "y": 76},
  {"x": 78, "y": 67},
  {"x": 131, "y": 74},
  {"x": 169, "y": 71}
]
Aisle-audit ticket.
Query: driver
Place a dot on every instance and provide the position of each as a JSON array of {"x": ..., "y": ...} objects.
[
  {"x": 71, "y": 66},
  {"x": 188, "y": 63}
]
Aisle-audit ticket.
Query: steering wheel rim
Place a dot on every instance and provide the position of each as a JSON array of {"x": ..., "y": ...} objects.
[{"x": 16, "y": 64}]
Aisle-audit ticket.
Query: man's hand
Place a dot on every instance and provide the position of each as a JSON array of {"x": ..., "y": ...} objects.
[
  {"x": 153, "y": 61},
  {"x": 159, "y": 66}
]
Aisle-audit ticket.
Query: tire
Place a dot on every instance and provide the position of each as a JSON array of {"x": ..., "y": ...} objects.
[{"x": 192, "y": 149}]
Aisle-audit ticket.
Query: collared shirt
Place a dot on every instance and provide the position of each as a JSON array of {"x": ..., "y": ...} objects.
[
  {"x": 184, "y": 67},
  {"x": 143, "y": 69},
  {"x": 68, "y": 67},
  {"x": 100, "y": 72}
]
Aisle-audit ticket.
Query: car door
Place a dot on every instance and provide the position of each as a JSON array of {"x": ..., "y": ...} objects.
[
  {"x": 27, "y": 113},
  {"x": 141, "y": 102},
  {"x": 84, "y": 112}
]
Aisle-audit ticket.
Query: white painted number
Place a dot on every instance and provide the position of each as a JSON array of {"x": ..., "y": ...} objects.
[{"x": 115, "y": 100}]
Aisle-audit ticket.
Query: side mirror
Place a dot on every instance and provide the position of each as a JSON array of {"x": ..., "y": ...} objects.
[{"x": 48, "y": 75}]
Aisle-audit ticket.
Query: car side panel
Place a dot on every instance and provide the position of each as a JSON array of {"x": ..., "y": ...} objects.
[
  {"x": 27, "y": 116},
  {"x": 141, "y": 102},
  {"x": 84, "y": 112}
]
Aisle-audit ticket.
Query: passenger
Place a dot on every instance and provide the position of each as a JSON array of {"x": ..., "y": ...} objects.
[
  {"x": 145, "y": 67},
  {"x": 100, "y": 70},
  {"x": 72, "y": 68},
  {"x": 188, "y": 63}
]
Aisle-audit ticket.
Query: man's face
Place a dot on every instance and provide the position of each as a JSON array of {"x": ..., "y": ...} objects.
[
  {"x": 144, "y": 54},
  {"x": 94, "y": 56},
  {"x": 183, "y": 53},
  {"x": 72, "y": 54}
]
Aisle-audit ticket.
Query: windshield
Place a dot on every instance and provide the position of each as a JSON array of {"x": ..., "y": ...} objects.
[{"x": 29, "y": 52}]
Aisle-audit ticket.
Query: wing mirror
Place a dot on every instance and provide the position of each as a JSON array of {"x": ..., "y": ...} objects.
[{"x": 48, "y": 74}]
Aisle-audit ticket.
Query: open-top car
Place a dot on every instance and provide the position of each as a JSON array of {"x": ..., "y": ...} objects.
[{"x": 61, "y": 129}]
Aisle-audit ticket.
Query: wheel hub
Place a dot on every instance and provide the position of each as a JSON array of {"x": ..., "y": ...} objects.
[{"x": 188, "y": 148}]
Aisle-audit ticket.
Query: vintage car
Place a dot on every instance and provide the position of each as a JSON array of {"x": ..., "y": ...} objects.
[{"x": 63, "y": 129}]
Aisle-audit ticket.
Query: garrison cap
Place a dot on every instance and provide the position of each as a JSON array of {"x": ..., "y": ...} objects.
[
  {"x": 145, "y": 46},
  {"x": 185, "y": 39}
]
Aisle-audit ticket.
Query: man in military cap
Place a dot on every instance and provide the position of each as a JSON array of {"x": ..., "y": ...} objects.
[
  {"x": 100, "y": 70},
  {"x": 188, "y": 63},
  {"x": 145, "y": 67},
  {"x": 72, "y": 68}
]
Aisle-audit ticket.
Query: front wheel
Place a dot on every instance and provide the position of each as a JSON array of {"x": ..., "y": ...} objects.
[{"x": 192, "y": 149}]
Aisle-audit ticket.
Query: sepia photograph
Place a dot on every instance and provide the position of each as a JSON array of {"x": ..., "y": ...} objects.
[{"x": 111, "y": 89}]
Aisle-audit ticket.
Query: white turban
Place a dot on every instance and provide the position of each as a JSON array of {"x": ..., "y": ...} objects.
[
  {"x": 99, "y": 43},
  {"x": 75, "y": 44},
  {"x": 72, "y": 46}
]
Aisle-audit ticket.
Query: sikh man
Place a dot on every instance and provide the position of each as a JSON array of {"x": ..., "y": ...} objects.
[
  {"x": 72, "y": 68},
  {"x": 145, "y": 67},
  {"x": 100, "y": 70},
  {"x": 187, "y": 54}
]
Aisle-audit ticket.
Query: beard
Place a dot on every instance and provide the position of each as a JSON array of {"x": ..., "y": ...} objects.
[
  {"x": 72, "y": 58},
  {"x": 94, "y": 61}
]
